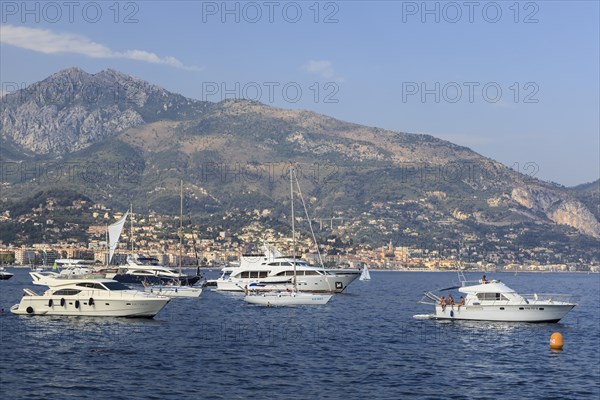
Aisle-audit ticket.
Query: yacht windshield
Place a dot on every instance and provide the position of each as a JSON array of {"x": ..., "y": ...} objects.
[{"x": 115, "y": 286}]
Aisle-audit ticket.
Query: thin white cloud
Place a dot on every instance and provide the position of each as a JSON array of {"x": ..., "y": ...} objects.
[
  {"x": 49, "y": 42},
  {"x": 322, "y": 68}
]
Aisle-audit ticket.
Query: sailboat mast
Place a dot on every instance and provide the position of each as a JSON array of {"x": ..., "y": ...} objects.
[
  {"x": 180, "y": 223},
  {"x": 107, "y": 246},
  {"x": 293, "y": 223},
  {"x": 131, "y": 224}
]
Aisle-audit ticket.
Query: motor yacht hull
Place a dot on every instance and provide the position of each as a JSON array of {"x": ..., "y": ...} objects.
[
  {"x": 542, "y": 312},
  {"x": 313, "y": 284},
  {"x": 287, "y": 299},
  {"x": 114, "y": 305}
]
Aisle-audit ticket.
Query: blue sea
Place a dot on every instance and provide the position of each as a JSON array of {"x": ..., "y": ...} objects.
[{"x": 363, "y": 344}]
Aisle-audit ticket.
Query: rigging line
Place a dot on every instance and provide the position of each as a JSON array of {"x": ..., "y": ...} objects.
[
  {"x": 313, "y": 233},
  {"x": 194, "y": 241},
  {"x": 309, "y": 223}
]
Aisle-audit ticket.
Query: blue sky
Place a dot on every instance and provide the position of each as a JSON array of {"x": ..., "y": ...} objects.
[{"x": 515, "y": 81}]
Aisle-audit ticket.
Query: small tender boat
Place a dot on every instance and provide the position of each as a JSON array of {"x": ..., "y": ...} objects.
[
  {"x": 90, "y": 297},
  {"x": 494, "y": 301}
]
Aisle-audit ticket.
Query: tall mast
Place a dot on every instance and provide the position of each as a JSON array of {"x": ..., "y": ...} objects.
[
  {"x": 107, "y": 245},
  {"x": 131, "y": 221},
  {"x": 293, "y": 223},
  {"x": 180, "y": 223}
]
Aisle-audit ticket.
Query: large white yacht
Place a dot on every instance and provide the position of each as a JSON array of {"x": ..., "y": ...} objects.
[
  {"x": 99, "y": 297},
  {"x": 272, "y": 270},
  {"x": 494, "y": 301}
]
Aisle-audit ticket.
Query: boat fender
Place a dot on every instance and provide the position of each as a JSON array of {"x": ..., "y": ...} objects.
[
  {"x": 452, "y": 313},
  {"x": 76, "y": 303},
  {"x": 50, "y": 303},
  {"x": 62, "y": 302},
  {"x": 91, "y": 301},
  {"x": 29, "y": 310}
]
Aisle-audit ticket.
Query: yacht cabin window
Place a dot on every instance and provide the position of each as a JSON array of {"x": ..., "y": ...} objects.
[
  {"x": 92, "y": 285},
  {"x": 491, "y": 296},
  {"x": 253, "y": 274},
  {"x": 66, "y": 292},
  {"x": 115, "y": 286}
]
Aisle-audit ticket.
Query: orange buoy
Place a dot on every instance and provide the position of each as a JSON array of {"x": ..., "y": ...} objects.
[{"x": 556, "y": 341}]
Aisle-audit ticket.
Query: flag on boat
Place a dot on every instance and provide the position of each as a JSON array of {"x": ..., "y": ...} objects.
[{"x": 114, "y": 232}]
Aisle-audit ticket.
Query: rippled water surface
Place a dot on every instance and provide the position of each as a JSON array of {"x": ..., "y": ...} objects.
[{"x": 363, "y": 344}]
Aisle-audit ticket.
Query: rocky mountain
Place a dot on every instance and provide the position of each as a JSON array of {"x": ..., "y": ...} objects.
[
  {"x": 72, "y": 109},
  {"x": 115, "y": 138},
  {"x": 589, "y": 194}
]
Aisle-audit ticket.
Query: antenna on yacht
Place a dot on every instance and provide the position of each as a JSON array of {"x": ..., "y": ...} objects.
[{"x": 293, "y": 224}]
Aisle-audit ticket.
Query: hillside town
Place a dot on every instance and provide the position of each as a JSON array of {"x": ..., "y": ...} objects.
[{"x": 217, "y": 245}]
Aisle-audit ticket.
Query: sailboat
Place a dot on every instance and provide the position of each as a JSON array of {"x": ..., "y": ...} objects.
[
  {"x": 139, "y": 269},
  {"x": 365, "y": 275},
  {"x": 174, "y": 288},
  {"x": 289, "y": 297}
]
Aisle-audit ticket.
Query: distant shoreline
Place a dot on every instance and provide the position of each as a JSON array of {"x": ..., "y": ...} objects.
[
  {"x": 394, "y": 270},
  {"x": 485, "y": 272}
]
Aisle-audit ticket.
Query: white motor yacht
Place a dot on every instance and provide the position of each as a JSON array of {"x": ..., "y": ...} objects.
[
  {"x": 89, "y": 297},
  {"x": 494, "y": 301},
  {"x": 272, "y": 270}
]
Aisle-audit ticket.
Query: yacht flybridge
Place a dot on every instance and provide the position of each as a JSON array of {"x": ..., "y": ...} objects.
[
  {"x": 98, "y": 297},
  {"x": 494, "y": 301}
]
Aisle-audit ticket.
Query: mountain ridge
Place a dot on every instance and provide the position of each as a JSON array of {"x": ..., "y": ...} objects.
[{"x": 236, "y": 151}]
